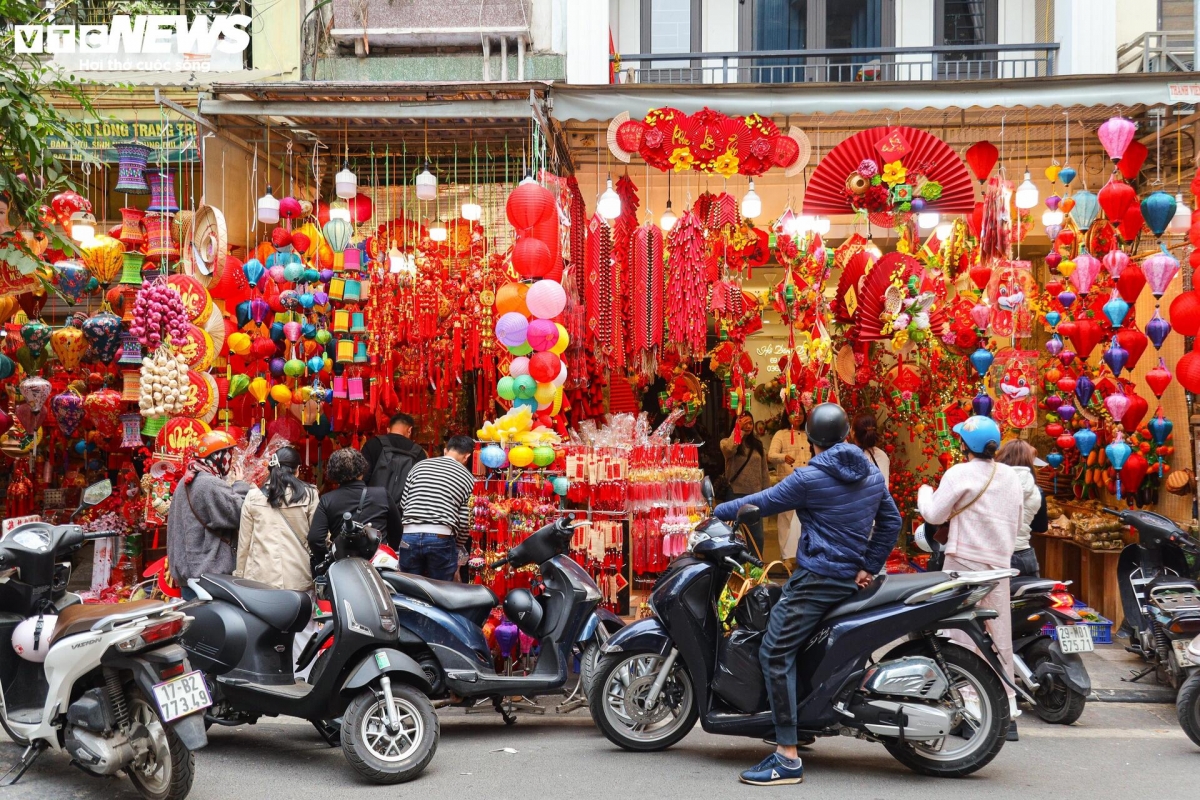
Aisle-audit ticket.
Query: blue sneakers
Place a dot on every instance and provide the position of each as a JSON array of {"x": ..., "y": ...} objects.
[{"x": 773, "y": 771}]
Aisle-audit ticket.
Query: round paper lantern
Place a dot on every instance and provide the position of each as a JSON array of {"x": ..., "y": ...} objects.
[
  {"x": 1115, "y": 198},
  {"x": 519, "y": 367},
  {"x": 524, "y": 387},
  {"x": 562, "y": 376},
  {"x": 1185, "y": 313},
  {"x": 361, "y": 208},
  {"x": 564, "y": 340},
  {"x": 561, "y": 486},
  {"x": 981, "y": 158},
  {"x": 506, "y": 389},
  {"x": 528, "y": 204},
  {"x": 546, "y": 299},
  {"x": 545, "y": 393},
  {"x": 531, "y": 258},
  {"x": 544, "y": 367},
  {"x": 542, "y": 334},
  {"x": 281, "y": 394},
  {"x": 522, "y": 349},
  {"x": 543, "y": 456},
  {"x": 1187, "y": 371},
  {"x": 511, "y": 329},
  {"x": 493, "y": 456},
  {"x": 520, "y": 456},
  {"x": 511, "y": 298}
]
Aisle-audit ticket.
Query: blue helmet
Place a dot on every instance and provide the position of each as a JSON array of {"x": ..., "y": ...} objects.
[{"x": 976, "y": 432}]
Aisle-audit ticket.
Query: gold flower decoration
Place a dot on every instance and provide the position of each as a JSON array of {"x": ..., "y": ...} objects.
[
  {"x": 726, "y": 164},
  {"x": 894, "y": 173},
  {"x": 682, "y": 159}
]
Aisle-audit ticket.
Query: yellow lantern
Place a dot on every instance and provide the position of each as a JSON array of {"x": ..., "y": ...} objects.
[
  {"x": 564, "y": 340},
  {"x": 520, "y": 456},
  {"x": 69, "y": 345},
  {"x": 103, "y": 257},
  {"x": 258, "y": 389},
  {"x": 281, "y": 394},
  {"x": 240, "y": 343}
]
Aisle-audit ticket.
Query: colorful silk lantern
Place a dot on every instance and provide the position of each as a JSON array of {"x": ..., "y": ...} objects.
[
  {"x": 1157, "y": 211},
  {"x": 1087, "y": 268},
  {"x": 103, "y": 332},
  {"x": 337, "y": 234},
  {"x": 1157, "y": 329},
  {"x": 1115, "y": 261},
  {"x": 69, "y": 345},
  {"x": 1086, "y": 208},
  {"x": 68, "y": 411},
  {"x": 981, "y": 158},
  {"x": 103, "y": 257},
  {"x": 1134, "y": 342},
  {"x": 162, "y": 192},
  {"x": 132, "y": 158},
  {"x": 1160, "y": 269},
  {"x": 1118, "y": 453},
  {"x": 1116, "y": 357},
  {"x": 1159, "y": 378},
  {"x": 1084, "y": 387},
  {"x": 1085, "y": 441},
  {"x": 982, "y": 360},
  {"x": 1116, "y": 309},
  {"x": 1115, "y": 198},
  {"x": 1115, "y": 136},
  {"x": 71, "y": 277}
]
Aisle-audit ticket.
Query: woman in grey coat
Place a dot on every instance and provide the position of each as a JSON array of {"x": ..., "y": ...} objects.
[{"x": 205, "y": 513}]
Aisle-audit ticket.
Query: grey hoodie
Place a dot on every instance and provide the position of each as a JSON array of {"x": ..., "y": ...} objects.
[{"x": 191, "y": 549}]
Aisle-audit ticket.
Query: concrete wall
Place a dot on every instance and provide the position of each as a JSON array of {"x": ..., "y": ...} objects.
[{"x": 275, "y": 37}]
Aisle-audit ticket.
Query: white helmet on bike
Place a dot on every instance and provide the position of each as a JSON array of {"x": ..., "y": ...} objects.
[{"x": 31, "y": 639}]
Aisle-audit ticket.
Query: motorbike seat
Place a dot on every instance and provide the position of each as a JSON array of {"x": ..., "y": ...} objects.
[
  {"x": 446, "y": 595},
  {"x": 1025, "y": 584},
  {"x": 888, "y": 589},
  {"x": 82, "y": 617},
  {"x": 283, "y": 609}
]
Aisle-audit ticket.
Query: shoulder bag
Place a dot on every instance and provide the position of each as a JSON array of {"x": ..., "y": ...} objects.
[{"x": 942, "y": 533}]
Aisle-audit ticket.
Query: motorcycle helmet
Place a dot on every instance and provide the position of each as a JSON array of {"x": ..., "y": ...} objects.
[
  {"x": 31, "y": 638},
  {"x": 923, "y": 539},
  {"x": 981, "y": 435},
  {"x": 827, "y": 425},
  {"x": 524, "y": 610},
  {"x": 216, "y": 447}
]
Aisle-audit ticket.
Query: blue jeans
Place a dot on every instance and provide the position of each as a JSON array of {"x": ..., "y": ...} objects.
[{"x": 430, "y": 555}]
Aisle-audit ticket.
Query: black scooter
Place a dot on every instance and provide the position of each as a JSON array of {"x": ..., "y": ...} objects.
[
  {"x": 937, "y": 707},
  {"x": 441, "y": 624},
  {"x": 1051, "y": 673},
  {"x": 242, "y": 639}
]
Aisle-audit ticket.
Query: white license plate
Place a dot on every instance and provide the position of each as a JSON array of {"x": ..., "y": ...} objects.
[
  {"x": 1075, "y": 639},
  {"x": 181, "y": 696},
  {"x": 1186, "y": 659}
]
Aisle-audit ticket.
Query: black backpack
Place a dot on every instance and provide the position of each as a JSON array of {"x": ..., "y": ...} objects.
[{"x": 391, "y": 472}]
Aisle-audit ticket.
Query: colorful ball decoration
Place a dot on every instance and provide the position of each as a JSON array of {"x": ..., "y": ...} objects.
[
  {"x": 1187, "y": 371},
  {"x": 542, "y": 334},
  {"x": 493, "y": 456},
  {"x": 1185, "y": 313},
  {"x": 506, "y": 388},
  {"x": 546, "y": 299},
  {"x": 563, "y": 341},
  {"x": 511, "y": 329},
  {"x": 561, "y": 486},
  {"x": 519, "y": 367},
  {"x": 531, "y": 258},
  {"x": 544, "y": 367},
  {"x": 520, "y": 456},
  {"x": 543, "y": 456},
  {"x": 524, "y": 387},
  {"x": 511, "y": 297},
  {"x": 527, "y": 205}
]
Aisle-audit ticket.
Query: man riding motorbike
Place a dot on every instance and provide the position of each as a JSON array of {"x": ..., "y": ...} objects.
[{"x": 836, "y": 497}]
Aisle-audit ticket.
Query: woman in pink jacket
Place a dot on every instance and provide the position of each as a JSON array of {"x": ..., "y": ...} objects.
[{"x": 982, "y": 500}]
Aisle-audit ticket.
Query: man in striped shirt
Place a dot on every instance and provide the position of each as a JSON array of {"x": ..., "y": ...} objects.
[{"x": 437, "y": 511}]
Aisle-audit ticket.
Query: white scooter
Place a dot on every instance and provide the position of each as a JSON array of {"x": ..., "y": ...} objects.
[{"x": 106, "y": 683}]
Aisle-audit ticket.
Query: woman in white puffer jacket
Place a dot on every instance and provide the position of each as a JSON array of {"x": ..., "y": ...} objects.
[{"x": 1020, "y": 456}]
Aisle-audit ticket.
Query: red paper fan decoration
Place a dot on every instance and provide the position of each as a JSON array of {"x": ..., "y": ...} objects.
[
  {"x": 852, "y": 274},
  {"x": 922, "y": 151},
  {"x": 867, "y": 323},
  {"x": 712, "y": 134},
  {"x": 629, "y": 135},
  {"x": 658, "y": 140}
]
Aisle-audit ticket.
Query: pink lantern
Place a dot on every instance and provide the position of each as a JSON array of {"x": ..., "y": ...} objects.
[
  {"x": 980, "y": 315},
  {"x": 293, "y": 330},
  {"x": 1160, "y": 269},
  {"x": 36, "y": 391},
  {"x": 1117, "y": 404},
  {"x": 542, "y": 334},
  {"x": 1115, "y": 135},
  {"x": 1087, "y": 268},
  {"x": 1115, "y": 262}
]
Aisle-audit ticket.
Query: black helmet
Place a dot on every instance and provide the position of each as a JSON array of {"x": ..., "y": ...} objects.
[{"x": 827, "y": 425}]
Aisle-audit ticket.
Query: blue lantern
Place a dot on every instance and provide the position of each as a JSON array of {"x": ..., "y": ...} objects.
[
  {"x": 982, "y": 360},
  {"x": 254, "y": 271},
  {"x": 1084, "y": 387},
  {"x": 493, "y": 456},
  {"x": 1066, "y": 175},
  {"x": 1053, "y": 318},
  {"x": 1087, "y": 208},
  {"x": 1157, "y": 210},
  {"x": 1157, "y": 330},
  {"x": 1085, "y": 440},
  {"x": 1116, "y": 309}
]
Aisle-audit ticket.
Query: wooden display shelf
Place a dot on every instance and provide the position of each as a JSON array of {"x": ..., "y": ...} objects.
[{"x": 1093, "y": 573}]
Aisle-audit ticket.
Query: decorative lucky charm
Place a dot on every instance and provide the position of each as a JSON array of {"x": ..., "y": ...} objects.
[
  {"x": 164, "y": 384},
  {"x": 1017, "y": 401}
]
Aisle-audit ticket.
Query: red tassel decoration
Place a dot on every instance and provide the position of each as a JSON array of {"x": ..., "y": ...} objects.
[
  {"x": 687, "y": 321},
  {"x": 646, "y": 267}
]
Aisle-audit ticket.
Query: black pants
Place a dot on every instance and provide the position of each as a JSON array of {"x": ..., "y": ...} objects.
[
  {"x": 756, "y": 530},
  {"x": 806, "y": 599},
  {"x": 1026, "y": 561}
]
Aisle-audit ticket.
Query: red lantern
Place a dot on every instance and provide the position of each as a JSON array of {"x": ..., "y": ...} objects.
[
  {"x": 1066, "y": 384},
  {"x": 361, "y": 208},
  {"x": 1131, "y": 283},
  {"x": 1185, "y": 313},
  {"x": 531, "y": 257},
  {"x": 263, "y": 348},
  {"x": 980, "y": 275},
  {"x": 1158, "y": 379},
  {"x": 1087, "y": 335},
  {"x": 1187, "y": 372},
  {"x": 544, "y": 367},
  {"x": 529, "y": 204},
  {"x": 232, "y": 286},
  {"x": 1115, "y": 198},
  {"x": 1065, "y": 442},
  {"x": 1131, "y": 162},
  {"x": 1054, "y": 430},
  {"x": 281, "y": 238},
  {"x": 981, "y": 158},
  {"x": 1136, "y": 466},
  {"x": 1136, "y": 412},
  {"x": 1131, "y": 223},
  {"x": 975, "y": 223},
  {"x": 1134, "y": 342},
  {"x": 301, "y": 242},
  {"x": 322, "y": 212}
]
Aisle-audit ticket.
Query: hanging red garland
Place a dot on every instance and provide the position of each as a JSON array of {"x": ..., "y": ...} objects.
[
  {"x": 687, "y": 290},
  {"x": 646, "y": 267}
]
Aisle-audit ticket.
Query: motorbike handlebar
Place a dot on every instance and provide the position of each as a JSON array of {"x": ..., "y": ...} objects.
[
  {"x": 1112, "y": 511},
  {"x": 751, "y": 559},
  {"x": 92, "y": 536}
]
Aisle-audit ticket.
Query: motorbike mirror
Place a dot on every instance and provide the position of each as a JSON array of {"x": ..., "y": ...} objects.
[
  {"x": 706, "y": 489},
  {"x": 748, "y": 515},
  {"x": 94, "y": 495}
]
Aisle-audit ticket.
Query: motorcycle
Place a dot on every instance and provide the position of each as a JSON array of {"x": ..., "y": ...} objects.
[
  {"x": 1051, "y": 676},
  {"x": 441, "y": 624},
  {"x": 107, "y": 683},
  {"x": 242, "y": 639},
  {"x": 1187, "y": 704},
  {"x": 938, "y": 708},
  {"x": 1159, "y": 596}
]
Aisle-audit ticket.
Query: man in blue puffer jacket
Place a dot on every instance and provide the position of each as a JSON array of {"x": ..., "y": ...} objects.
[{"x": 837, "y": 498}]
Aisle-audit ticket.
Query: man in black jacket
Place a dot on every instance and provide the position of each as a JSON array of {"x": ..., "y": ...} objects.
[
  {"x": 369, "y": 504},
  {"x": 399, "y": 431}
]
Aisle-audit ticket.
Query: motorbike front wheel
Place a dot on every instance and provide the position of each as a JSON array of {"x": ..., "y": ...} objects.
[
  {"x": 1187, "y": 703},
  {"x": 1056, "y": 702},
  {"x": 617, "y": 700},
  {"x": 384, "y": 756},
  {"x": 165, "y": 772},
  {"x": 981, "y": 711}
]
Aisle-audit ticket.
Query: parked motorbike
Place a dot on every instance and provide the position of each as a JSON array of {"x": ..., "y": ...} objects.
[
  {"x": 441, "y": 624},
  {"x": 242, "y": 639},
  {"x": 1159, "y": 596},
  {"x": 1187, "y": 704},
  {"x": 1051, "y": 676},
  {"x": 937, "y": 707},
  {"x": 106, "y": 683}
]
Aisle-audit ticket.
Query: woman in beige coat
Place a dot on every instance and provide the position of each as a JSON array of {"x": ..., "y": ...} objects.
[{"x": 272, "y": 540}]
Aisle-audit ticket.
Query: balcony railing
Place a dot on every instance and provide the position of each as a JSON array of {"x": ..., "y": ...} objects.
[
  {"x": 952, "y": 62},
  {"x": 1158, "y": 51}
]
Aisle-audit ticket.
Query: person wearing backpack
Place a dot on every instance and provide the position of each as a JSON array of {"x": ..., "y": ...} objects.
[
  {"x": 368, "y": 505},
  {"x": 391, "y": 455}
]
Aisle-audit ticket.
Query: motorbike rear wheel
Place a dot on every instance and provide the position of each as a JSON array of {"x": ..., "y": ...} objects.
[
  {"x": 379, "y": 755},
  {"x": 617, "y": 702},
  {"x": 984, "y": 716},
  {"x": 1057, "y": 703},
  {"x": 169, "y": 767},
  {"x": 1187, "y": 703},
  {"x": 587, "y": 666}
]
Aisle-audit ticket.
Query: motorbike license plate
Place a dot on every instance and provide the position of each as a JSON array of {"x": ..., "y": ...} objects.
[
  {"x": 181, "y": 696},
  {"x": 1186, "y": 659},
  {"x": 1075, "y": 639}
]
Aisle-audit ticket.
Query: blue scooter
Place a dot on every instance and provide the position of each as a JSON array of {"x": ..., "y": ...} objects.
[{"x": 441, "y": 624}]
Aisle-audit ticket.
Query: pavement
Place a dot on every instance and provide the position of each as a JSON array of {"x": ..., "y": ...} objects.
[{"x": 1116, "y": 750}]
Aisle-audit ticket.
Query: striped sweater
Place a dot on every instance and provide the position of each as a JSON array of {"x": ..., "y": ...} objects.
[{"x": 438, "y": 492}]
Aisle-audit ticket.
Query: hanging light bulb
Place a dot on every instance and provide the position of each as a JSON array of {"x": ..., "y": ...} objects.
[
  {"x": 527, "y": 179},
  {"x": 873, "y": 248},
  {"x": 1183, "y": 217},
  {"x": 437, "y": 231},
  {"x": 1027, "y": 194},
  {"x": 1051, "y": 218},
  {"x": 472, "y": 211},
  {"x": 268, "y": 208},
  {"x": 609, "y": 204},
  {"x": 345, "y": 183},
  {"x": 395, "y": 260},
  {"x": 338, "y": 209},
  {"x": 83, "y": 226},
  {"x": 668, "y": 219},
  {"x": 751, "y": 203},
  {"x": 928, "y": 219},
  {"x": 821, "y": 226},
  {"x": 944, "y": 231},
  {"x": 426, "y": 184}
]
